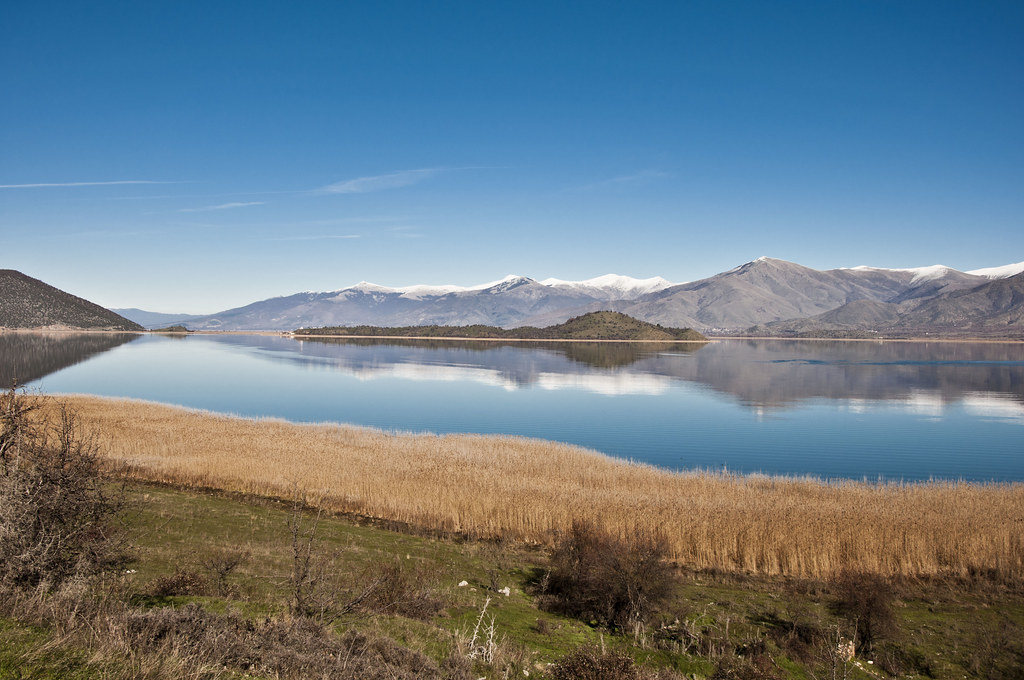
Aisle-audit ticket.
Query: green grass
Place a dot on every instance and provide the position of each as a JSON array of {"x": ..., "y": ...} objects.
[
  {"x": 946, "y": 629},
  {"x": 30, "y": 653}
]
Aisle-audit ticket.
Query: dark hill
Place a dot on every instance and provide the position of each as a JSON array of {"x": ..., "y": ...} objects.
[
  {"x": 592, "y": 326},
  {"x": 29, "y": 303},
  {"x": 616, "y": 326}
]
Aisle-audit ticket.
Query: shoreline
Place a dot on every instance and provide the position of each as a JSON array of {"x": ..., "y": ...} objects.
[
  {"x": 434, "y": 338},
  {"x": 710, "y": 338},
  {"x": 1002, "y": 341},
  {"x": 553, "y": 443},
  {"x": 531, "y": 491}
]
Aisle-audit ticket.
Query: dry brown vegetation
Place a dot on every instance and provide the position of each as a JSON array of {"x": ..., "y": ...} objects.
[{"x": 531, "y": 490}]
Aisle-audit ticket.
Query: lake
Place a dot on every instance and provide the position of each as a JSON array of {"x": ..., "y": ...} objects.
[{"x": 903, "y": 411}]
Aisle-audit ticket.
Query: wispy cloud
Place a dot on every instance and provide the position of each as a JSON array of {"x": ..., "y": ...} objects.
[
  {"x": 81, "y": 184},
  {"x": 108, "y": 233},
  {"x": 623, "y": 180},
  {"x": 222, "y": 206},
  {"x": 394, "y": 180},
  {"x": 142, "y": 198},
  {"x": 405, "y": 232},
  {"x": 325, "y": 237},
  {"x": 376, "y": 219}
]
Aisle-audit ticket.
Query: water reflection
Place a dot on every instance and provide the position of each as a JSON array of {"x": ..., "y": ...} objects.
[
  {"x": 762, "y": 375},
  {"x": 777, "y": 374},
  {"x": 592, "y": 354},
  {"x": 838, "y": 409},
  {"x": 25, "y": 357},
  {"x": 596, "y": 367}
]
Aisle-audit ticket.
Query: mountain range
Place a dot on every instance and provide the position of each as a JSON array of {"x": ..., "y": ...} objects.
[{"x": 765, "y": 296}]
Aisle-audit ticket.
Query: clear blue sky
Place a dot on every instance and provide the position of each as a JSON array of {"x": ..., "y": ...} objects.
[{"x": 194, "y": 156}]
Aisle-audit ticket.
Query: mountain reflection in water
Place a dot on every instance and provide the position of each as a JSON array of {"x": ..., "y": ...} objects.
[
  {"x": 25, "y": 357},
  {"x": 837, "y": 409},
  {"x": 761, "y": 374}
]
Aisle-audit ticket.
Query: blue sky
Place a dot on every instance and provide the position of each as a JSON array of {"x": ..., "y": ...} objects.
[{"x": 195, "y": 156}]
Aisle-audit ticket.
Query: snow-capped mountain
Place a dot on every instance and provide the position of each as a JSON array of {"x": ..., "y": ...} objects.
[
  {"x": 759, "y": 292},
  {"x": 919, "y": 274},
  {"x": 421, "y": 291},
  {"x": 613, "y": 286},
  {"x": 938, "y": 270},
  {"x": 1004, "y": 272}
]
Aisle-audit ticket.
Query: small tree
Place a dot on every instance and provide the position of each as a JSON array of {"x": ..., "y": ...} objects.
[
  {"x": 596, "y": 576},
  {"x": 866, "y": 600},
  {"x": 56, "y": 507},
  {"x": 308, "y": 595}
]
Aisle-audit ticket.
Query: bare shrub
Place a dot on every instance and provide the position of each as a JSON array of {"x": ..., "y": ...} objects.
[
  {"x": 615, "y": 582},
  {"x": 181, "y": 582},
  {"x": 590, "y": 663},
  {"x": 595, "y": 663},
  {"x": 866, "y": 600},
  {"x": 221, "y": 564},
  {"x": 56, "y": 508},
  {"x": 748, "y": 667},
  {"x": 998, "y": 654},
  {"x": 798, "y": 634},
  {"x": 308, "y": 595},
  {"x": 286, "y": 648},
  {"x": 398, "y": 587},
  {"x": 898, "y": 661}
]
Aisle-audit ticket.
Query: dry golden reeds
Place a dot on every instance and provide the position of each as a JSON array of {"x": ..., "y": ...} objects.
[{"x": 530, "y": 490}]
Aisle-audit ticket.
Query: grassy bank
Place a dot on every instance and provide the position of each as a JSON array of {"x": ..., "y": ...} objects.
[
  {"x": 175, "y": 611},
  {"x": 531, "y": 491}
]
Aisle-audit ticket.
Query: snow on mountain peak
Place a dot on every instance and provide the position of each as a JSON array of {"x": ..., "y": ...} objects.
[
  {"x": 921, "y": 274},
  {"x": 367, "y": 287},
  {"x": 614, "y": 283},
  {"x": 419, "y": 291},
  {"x": 1003, "y": 272},
  {"x": 608, "y": 286}
]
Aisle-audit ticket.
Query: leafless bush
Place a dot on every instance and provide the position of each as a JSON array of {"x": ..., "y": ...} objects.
[
  {"x": 56, "y": 507},
  {"x": 798, "y": 633},
  {"x": 596, "y": 576},
  {"x": 181, "y": 582},
  {"x": 308, "y": 595},
  {"x": 221, "y": 564},
  {"x": 747, "y": 667},
  {"x": 286, "y": 648},
  {"x": 596, "y": 663},
  {"x": 866, "y": 600},
  {"x": 590, "y": 663},
  {"x": 398, "y": 587},
  {"x": 998, "y": 655},
  {"x": 193, "y": 642}
]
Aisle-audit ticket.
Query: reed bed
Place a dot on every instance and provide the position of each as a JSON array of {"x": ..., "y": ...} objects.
[{"x": 530, "y": 490}]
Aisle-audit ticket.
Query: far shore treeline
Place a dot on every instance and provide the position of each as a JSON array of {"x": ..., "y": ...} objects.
[{"x": 592, "y": 326}]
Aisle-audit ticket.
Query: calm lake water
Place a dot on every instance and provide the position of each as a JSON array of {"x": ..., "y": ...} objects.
[{"x": 907, "y": 411}]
